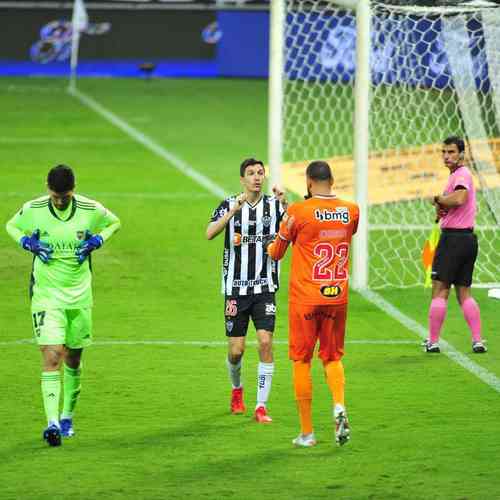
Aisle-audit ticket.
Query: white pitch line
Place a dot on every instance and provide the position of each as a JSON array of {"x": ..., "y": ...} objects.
[
  {"x": 210, "y": 343},
  {"x": 422, "y": 227},
  {"x": 486, "y": 376},
  {"x": 63, "y": 140},
  {"x": 176, "y": 195},
  {"x": 461, "y": 359},
  {"x": 150, "y": 144},
  {"x": 31, "y": 89}
]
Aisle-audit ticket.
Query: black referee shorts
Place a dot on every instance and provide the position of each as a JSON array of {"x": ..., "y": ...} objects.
[
  {"x": 455, "y": 257},
  {"x": 238, "y": 311}
]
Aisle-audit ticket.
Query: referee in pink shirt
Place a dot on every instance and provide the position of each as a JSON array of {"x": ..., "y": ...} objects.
[{"x": 457, "y": 249}]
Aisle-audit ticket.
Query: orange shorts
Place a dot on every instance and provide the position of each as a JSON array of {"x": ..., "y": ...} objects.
[{"x": 307, "y": 324}]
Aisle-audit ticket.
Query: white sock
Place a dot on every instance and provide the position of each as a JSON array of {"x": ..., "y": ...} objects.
[
  {"x": 338, "y": 408},
  {"x": 234, "y": 373},
  {"x": 264, "y": 381}
]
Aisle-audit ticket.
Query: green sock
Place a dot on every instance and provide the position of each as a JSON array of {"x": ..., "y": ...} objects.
[
  {"x": 51, "y": 390},
  {"x": 71, "y": 390}
]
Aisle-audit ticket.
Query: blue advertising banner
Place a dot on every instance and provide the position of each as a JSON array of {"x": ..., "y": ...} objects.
[
  {"x": 234, "y": 43},
  {"x": 243, "y": 48},
  {"x": 409, "y": 51}
]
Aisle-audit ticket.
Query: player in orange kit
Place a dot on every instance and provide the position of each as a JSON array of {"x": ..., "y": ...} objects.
[{"x": 320, "y": 230}]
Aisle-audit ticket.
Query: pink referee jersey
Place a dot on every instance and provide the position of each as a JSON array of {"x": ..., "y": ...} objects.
[{"x": 461, "y": 217}]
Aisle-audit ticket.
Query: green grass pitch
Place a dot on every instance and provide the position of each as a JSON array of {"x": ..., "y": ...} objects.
[{"x": 153, "y": 420}]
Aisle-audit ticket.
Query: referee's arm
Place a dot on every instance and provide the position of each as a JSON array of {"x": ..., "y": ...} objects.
[{"x": 452, "y": 200}]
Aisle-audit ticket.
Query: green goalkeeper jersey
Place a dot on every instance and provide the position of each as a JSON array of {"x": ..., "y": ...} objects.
[{"x": 62, "y": 283}]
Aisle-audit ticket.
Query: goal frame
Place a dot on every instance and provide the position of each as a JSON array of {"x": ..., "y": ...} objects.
[{"x": 360, "y": 256}]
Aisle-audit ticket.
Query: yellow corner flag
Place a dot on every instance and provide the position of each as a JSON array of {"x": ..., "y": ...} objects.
[{"x": 428, "y": 253}]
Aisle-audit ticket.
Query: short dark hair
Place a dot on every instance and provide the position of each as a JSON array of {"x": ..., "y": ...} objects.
[
  {"x": 248, "y": 163},
  {"x": 61, "y": 179},
  {"x": 458, "y": 141},
  {"x": 319, "y": 171}
]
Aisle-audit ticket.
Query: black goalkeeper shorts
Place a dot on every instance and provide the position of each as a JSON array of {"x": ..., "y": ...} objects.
[
  {"x": 455, "y": 257},
  {"x": 238, "y": 311}
]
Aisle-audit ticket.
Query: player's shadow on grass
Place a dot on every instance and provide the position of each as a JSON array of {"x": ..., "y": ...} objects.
[
  {"x": 218, "y": 433},
  {"x": 221, "y": 428},
  {"x": 220, "y": 443}
]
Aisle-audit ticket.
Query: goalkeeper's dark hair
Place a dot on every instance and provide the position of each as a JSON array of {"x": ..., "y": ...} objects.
[
  {"x": 248, "y": 163},
  {"x": 458, "y": 141},
  {"x": 61, "y": 179},
  {"x": 319, "y": 171}
]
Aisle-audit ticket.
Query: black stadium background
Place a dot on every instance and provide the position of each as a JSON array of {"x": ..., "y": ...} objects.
[
  {"x": 152, "y": 29},
  {"x": 140, "y": 4}
]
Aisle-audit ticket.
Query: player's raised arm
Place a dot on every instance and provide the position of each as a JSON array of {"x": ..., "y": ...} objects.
[
  {"x": 277, "y": 248},
  {"x": 281, "y": 196},
  {"x": 222, "y": 215}
]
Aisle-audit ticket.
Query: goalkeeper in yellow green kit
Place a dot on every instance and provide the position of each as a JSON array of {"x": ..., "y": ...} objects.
[{"x": 61, "y": 230}]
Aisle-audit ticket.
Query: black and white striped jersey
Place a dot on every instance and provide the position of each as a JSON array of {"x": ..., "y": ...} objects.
[{"x": 246, "y": 268}]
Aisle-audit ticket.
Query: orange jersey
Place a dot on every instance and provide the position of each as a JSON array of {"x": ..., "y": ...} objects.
[{"x": 321, "y": 238}]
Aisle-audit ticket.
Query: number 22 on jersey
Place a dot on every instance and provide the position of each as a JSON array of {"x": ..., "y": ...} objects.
[{"x": 327, "y": 254}]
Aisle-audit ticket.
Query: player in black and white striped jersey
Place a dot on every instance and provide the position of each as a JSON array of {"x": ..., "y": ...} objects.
[{"x": 250, "y": 277}]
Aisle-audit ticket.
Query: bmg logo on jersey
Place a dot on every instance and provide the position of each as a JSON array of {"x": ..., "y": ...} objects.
[{"x": 339, "y": 214}]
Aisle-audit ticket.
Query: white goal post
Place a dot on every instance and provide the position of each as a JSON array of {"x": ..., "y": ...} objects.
[{"x": 374, "y": 87}]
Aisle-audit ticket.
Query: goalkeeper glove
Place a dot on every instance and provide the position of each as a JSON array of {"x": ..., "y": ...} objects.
[
  {"x": 39, "y": 248},
  {"x": 92, "y": 242}
]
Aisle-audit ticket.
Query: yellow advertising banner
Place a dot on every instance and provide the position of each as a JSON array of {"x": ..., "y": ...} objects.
[{"x": 398, "y": 174}]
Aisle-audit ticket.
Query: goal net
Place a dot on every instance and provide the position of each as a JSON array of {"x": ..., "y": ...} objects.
[{"x": 434, "y": 72}]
